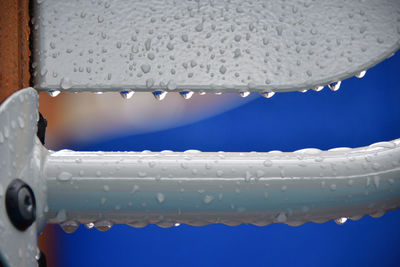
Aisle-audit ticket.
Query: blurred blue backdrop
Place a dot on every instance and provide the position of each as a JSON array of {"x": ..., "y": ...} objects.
[{"x": 362, "y": 112}]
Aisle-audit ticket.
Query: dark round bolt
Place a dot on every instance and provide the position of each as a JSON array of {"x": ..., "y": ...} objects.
[{"x": 20, "y": 204}]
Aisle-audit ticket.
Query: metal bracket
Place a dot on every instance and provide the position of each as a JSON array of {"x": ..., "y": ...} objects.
[{"x": 20, "y": 158}]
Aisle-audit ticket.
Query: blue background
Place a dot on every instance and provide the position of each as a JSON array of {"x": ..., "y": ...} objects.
[{"x": 362, "y": 112}]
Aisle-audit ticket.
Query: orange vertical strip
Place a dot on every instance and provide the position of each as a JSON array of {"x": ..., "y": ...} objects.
[{"x": 14, "y": 46}]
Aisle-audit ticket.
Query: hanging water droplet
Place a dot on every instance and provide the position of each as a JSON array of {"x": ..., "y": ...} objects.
[
  {"x": 244, "y": 94},
  {"x": 334, "y": 86},
  {"x": 318, "y": 88},
  {"x": 186, "y": 94},
  {"x": 340, "y": 220},
  {"x": 103, "y": 225},
  {"x": 159, "y": 95},
  {"x": 69, "y": 226},
  {"x": 138, "y": 224},
  {"x": 127, "y": 94},
  {"x": 53, "y": 93},
  {"x": 361, "y": 74},
  {"x": 281, "y": 217},
  {"x": 89, "y": 225},
  {"x": 267, "y": 94}
]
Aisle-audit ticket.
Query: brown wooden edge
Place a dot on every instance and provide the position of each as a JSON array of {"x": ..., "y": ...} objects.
[{"x": 14, "y": 46}]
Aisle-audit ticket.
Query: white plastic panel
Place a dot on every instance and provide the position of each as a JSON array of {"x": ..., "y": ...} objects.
[{"x": 217, "y": 45}]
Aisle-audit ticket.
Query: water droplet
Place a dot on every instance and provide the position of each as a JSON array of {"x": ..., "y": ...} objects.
[
  {"x": 145, "y": 68},
  {"x": 334, "y": 86},
  {"x": 160, "y": 198},
  {"x": 159, "y": 95},
  {"x": 138, "y": 224},
  {"x": 149, "y": 83},
  {"x": 64, "y": 176},
  {"x": 267, "y": 94},
  {"x": 208, "y": 199},
  {"x": 376, "y": 181},
  {"x": 318, "y": 88},
  {"x": 281, "y": 217},
  {"x": 61, "y": 215},
  {"x": 361, "y": 74},
  {"x": 53, "y": 93},
  {"x": 303, "y": 91},
  {"x": 222, "y": 69},
  {"x": 103, "y": 225},
  {"x": 340, "y": 220},
  {"x": 147, "y": 44},
  {"x": 69, "y": 226},
  {"x": 21, "y": 122},
  {"x": 247, "y": 176},
  {"x": 177, "y": 224},
  {"x": 186, "y": 94},
  {"x": 377, "y": 214},
  {"x": 65, "y": 83},
  {"x": 267, "y": 163},
  {"x": 89, "y": 225},
  {"x": 199, "y": 27},
  {"x": 244, "y": 94},
  {"x": 127, "y": 94},
  {"x": 185, "y": 38}
]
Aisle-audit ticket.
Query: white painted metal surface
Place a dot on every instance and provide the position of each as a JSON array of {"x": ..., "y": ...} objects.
[
  {"x": 209, "y": 46},
  {"x": 196, "y": 188},
  {"x": 20, "y": 157}
]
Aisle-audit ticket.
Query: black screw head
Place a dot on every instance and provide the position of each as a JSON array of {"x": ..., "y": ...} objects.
[{"x": 20, "y": 204}]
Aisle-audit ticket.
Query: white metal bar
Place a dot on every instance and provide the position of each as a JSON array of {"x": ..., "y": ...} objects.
[{"x": 198, "y": 188}]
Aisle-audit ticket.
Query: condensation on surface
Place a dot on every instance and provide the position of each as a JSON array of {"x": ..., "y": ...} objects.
[{"x": 209, "y": 45}]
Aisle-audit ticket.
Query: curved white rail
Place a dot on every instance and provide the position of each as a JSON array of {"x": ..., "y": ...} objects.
[{"x": 200, "y": 188}]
